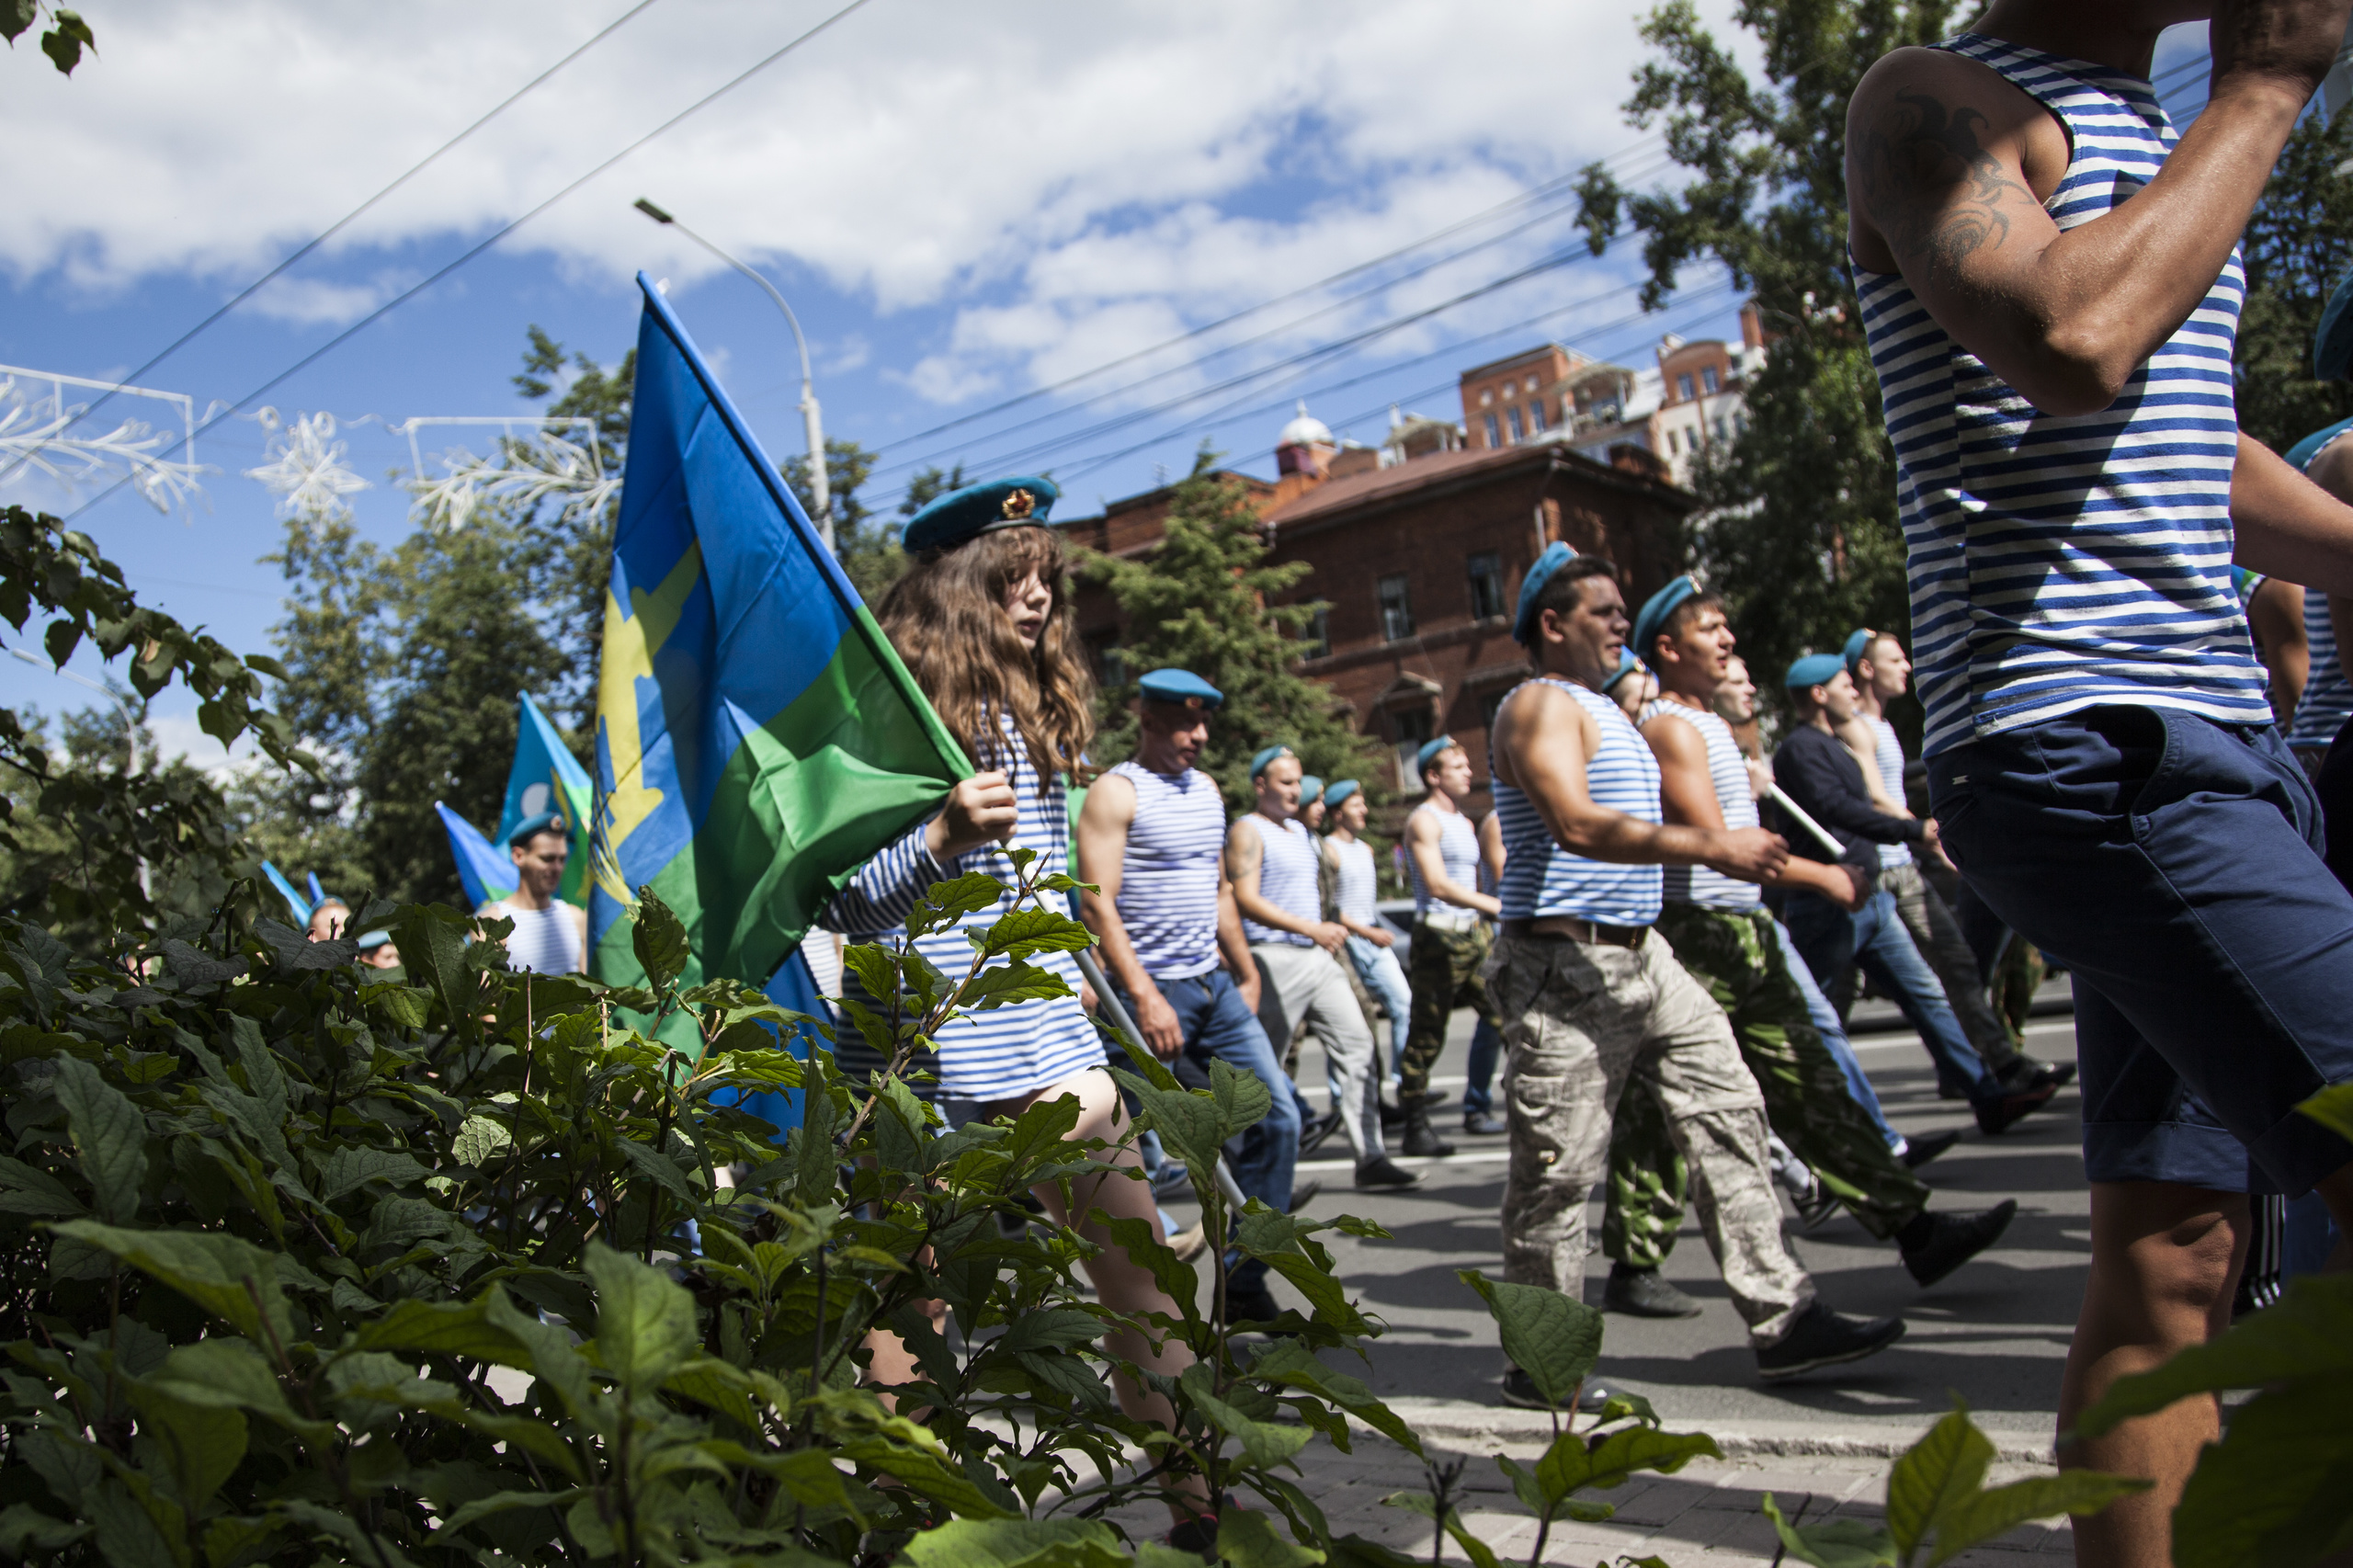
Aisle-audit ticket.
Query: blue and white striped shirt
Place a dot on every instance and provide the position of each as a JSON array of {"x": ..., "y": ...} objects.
[
  {"x": 1702, "y": 885},
  {"x": 1286, "y": 879},
  {"x": 2328, "y": 701},
  {"x": 1168, "y": 883},
  {"x": 1539, "y": 877},
  {"x": 1008, "y": 1051},
  {"x": 1458, "y": 851},
  {"x": 1889, "y": 755},
  {"x": 2061, "y": 562}
]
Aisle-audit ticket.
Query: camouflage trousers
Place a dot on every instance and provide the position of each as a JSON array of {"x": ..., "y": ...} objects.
[
  {"x": 1586, "y": 1028},
  {"x": 1446, "y": 969},
  {"x": 1734, "y": 955}
]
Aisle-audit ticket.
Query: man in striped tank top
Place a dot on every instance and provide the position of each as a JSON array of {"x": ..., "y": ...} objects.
[
  {"x": 2325, "y": 699},
  {"x": 2050, "y": 288},
  {"x": 1151, "y": 838},
  {"x": 1274, "y": 861},
  {"x": 1815, "y": 1094},
  {"x": 1450, "y": 945},
  {"x": 1876, "y": 662},
  {"x": 1593, "y": 1000}
]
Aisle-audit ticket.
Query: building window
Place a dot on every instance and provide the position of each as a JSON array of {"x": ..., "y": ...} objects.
[
  {"x": 1683, "y": 388},
  {"x": 1673, "y": 450},
  {"x": 1494, "y": 437},
  {"x": 1708, "y": 378},
  {"x": 1396, "y": 610},
  {"x": 1415, "y": 726},
  {"x": 1720, "y": 428},
  {"x": 1486, "y": 585},
  {"x": 1319, "y": 633},
  {"x": 1535, "y": 418},
  {"x": 1487, "y": 396},
  {"x": 1531, "y": 386},
  {"x": 1511, "y": 423}
]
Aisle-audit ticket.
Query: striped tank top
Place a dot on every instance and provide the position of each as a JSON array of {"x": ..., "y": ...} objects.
[
  {"x": 1889, "y": 755},
  {"x": 2328, "y": 701},
  {"x": 1008, "y": 1051},
  {"x": 1728, "y": 772},
  {"x": 1354, "y": 887},
  {"x": 1286, "y": 880},
  {"x": 1539, "y": 877},
  {"x": 544, "y": 941},
  {"x": 1458, "y": 850},
  {"x": 2058, "y": 563},
  {"x": 1169, "y": 882}
]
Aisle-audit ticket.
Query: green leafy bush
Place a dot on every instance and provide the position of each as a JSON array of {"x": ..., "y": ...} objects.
[{"x": 308, "y": 1262}]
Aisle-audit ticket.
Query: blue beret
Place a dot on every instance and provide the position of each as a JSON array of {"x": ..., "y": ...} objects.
[
  {"x": 1857, "y": 641},
  {"x": 1431, "y": 750},
  {"x": 2333, "y": 344},
  {"x": 1339, "y": 789},
  {"x": 977, "y": 509},
  {"x": 1815, "y": 669},
  {"x": 1311, "y": 789},
  {"x": 370, "y": 939},
  {"x": 1627, "y": 664},
  {"x": 1652, "y": 618},
  {"x": 1260, "y": 763},
  {"x": 528, "y": 826},
  {"x": 1556, "y": 555},
  {"x": 1182, "y": 686}
]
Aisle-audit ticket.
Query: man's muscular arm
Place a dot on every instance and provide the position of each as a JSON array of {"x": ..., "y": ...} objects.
[
  {"x": 1687, "y": 795},
  {"x": 1103, "y": 825},
  {"x": 1948, "y": 166},
  {"x": 2295, "y": 526},
  {"x": 1422, "y": 838}
]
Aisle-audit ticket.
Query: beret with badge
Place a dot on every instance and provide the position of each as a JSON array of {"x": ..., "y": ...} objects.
[{"x": 964, "y": 514}]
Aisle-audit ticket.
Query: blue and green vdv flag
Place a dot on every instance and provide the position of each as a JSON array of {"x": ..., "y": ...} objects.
[
  {"x": 546, "y": 776},
  {"x": 758, "y": 739}
]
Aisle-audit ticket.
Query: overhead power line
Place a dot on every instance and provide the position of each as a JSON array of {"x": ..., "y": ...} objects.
[{"x": 411, "y": 293}]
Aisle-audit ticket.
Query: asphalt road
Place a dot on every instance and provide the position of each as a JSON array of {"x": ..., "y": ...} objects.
[{"x": 1995, "y": 1333}]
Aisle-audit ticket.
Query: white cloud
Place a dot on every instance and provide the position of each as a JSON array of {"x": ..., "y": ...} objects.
[
  {"x": 179, "y": 738},
  {"x": 1073, "y": 179}
]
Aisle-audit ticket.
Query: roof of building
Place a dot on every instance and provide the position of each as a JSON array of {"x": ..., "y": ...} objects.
[
  {"x": 1402, "y": 480},
  {"x": 1306, "y": 430}
]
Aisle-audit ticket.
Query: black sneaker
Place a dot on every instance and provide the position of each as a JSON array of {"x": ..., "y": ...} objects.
[
  {"x": 1643, "y": 1293},
  {"x": 2023, "y": 1071},
  {"x": 1947, "y": 1240},
  {"x": 1381, "y": 1173},
  {"x": 1482, "y": 1124},
  {"x": 1999, "y": 1115},
  {"x": 1302, "y": 1193},
  {"x": 1196, "y": 1535},
  {"x": 1823, "y": 1338},
  {"x": 1312, "y": 1136},
  {"x": 1918, "y": 1151},
  {"x": 1250, "y": 1304},
  {"x": 1519, "y": 1388}
]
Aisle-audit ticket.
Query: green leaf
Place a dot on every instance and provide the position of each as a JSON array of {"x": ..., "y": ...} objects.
[
  {"x": 203, "y": 1443},
  {"x": 1264, "y": 1443},
  {"x": 1028, "y": 931},
  {"x": 1571, "y": 1465},
  {"x": 1841, "y": 1543},
  {"x": 27, "y": 1190},
  {"x": 1481, "y": 1554},
  {"x": 1967, "y": 1521},
  {"x": 480, "y": 1139},
  {"x": 1057, "y": 1328},
  {"x": 2333, "y": 1108},
  {"x": 2310, "y": 1330},
  {"x": 136, "y": 1528},
  {"x": 444, "y": 1328},
  {"x": 645, "y": 1320},
  {"x": 659, "y": 939},
  {"x": 25, "y": 1531},
  {"x": 1003, "y": 985},
  {"x": 110, "y": 1137},
  {"x": 1243, "y": 1098},
  {"x": 1249, "y": 1541},
  {"x": 1186, "y": 1121},
  {"x": 2277, "y": 1491},
  {"x": 944, "y": 903},
  {"x": 1943, "y": 1467},
  {"x": 15, "y": 15},
  {"x": 229, "y": 1277},
  {"x": 1016, "y": 1543},
  {"x": 348, "y": 1170},
  {"x": 233, "y": 1374},
  {"x": 1289, "y": 1363},
  {"x": 1552, "y": 1338}
]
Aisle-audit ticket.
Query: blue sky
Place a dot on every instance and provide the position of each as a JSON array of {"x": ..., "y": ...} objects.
[{"x": 962, "y": 203}]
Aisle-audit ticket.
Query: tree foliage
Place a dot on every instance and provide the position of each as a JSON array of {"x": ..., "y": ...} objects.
[
  {"x": 1800, "y": 532},
  {"x": 67, "y": 36},
  {"x": 1206, "y": 600},
  {"x": 2297, "y": 248}
]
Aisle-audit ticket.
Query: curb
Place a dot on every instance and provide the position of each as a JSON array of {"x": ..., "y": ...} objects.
[{"x": 1460, "y": 1422}]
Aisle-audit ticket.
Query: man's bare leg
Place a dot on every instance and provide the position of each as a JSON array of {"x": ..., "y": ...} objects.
[{"x": 2164, "y": 1260}]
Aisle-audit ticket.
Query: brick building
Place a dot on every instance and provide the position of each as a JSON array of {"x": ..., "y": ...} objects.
[{"x": 1419, "y": 559}]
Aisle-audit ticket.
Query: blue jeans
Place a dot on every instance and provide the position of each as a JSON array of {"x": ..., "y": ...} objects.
[
  {"x": 1834, "y": 1037},
  {"x": 2174, "y": 866},
  {"x": 1218, "y": 1027},
  {"x": 1830, "y": 938},
  {"x": 1377, "y": 966}
]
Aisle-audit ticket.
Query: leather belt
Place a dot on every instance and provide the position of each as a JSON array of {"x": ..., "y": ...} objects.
[{"x": 1570, "y": 929}]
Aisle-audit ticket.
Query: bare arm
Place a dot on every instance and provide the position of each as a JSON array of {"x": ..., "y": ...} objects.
[
  {"x": 2277, "y": 613},
  {"x": 1423, "y": 833},
  {"x": 1235, "y": 944},
  {"x": 1948, "y": 166},
  {"x": 1688, "y": 795},
  {"x": 1491, "y": 847},
  {"x": 1244, "y": 859},
  {"x": 1862, "y": 743},
  {"x": 2290, "y": 526},
  {"x": 1542, "y": 740}
]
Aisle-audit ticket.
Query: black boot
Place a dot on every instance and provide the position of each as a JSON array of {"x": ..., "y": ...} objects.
[
  {"x": 1936, "y": 1245},
  {"x": 1644, "y": 1293},
  {"x": 1422, "y": 1140}
]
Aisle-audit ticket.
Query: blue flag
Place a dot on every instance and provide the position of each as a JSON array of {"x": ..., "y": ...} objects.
[
  {"x": 547, "y": 777},
  {"x": 487, "y": 870}
]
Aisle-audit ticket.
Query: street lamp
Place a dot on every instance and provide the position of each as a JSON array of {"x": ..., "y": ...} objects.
[
  {"x": 130, "y": 730},
  {"x": 818, "y": 490}
]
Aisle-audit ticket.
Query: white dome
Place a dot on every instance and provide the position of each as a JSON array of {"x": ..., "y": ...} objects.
[{"x": 1306, "y": 430}]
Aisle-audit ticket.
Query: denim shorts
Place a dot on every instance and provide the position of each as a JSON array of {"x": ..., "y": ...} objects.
[{"x": 2173, "y": 865}]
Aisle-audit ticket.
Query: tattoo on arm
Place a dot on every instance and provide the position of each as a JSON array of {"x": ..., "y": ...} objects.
[{"x": 1929, "y": 186}]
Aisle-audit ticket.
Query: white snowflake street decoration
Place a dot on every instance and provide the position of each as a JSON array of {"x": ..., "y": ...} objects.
[
  {"x": 527, "y": 471},
  {"x": 306, "y": 472},
  {"x": 37, "y": 436}
]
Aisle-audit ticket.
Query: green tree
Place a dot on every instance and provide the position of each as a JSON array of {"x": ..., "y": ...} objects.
[
  {"x": 67, "y": 37},
  {"x": 2299, "y": 247},
  {"x": 1800, "y": 532},
  {"x": 583, "y": 546},
  {"x": 1205, "y": 600}
]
